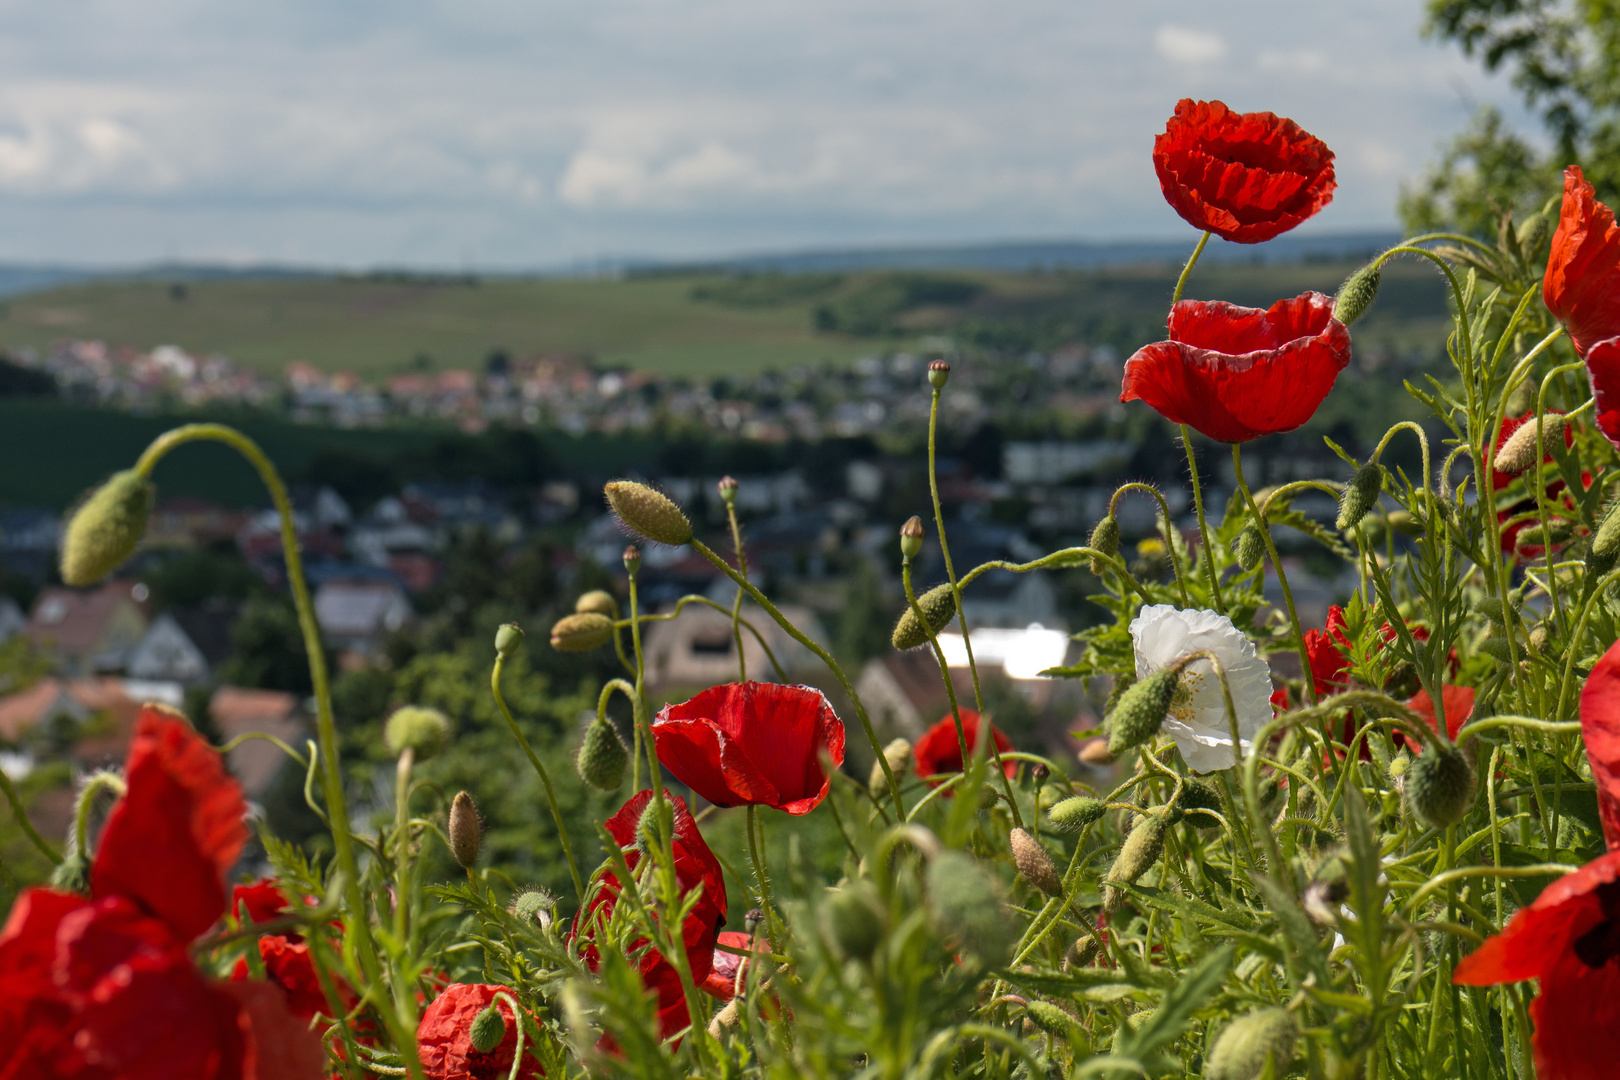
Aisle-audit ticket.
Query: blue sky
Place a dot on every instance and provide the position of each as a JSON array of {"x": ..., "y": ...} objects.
[{"x": 484, "y": 134}]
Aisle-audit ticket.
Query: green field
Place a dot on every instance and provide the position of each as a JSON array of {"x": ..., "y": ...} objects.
[{"x": 677, "y": 324}]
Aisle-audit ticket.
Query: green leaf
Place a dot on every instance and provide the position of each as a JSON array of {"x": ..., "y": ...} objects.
[{"x": 1180, "y": 1003}]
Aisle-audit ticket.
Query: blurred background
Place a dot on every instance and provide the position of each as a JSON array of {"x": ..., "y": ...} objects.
[{"x": 455, "y": 266}]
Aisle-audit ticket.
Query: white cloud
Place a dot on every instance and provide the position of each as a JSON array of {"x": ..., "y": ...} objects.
[{"x": 1185, "y": 46}]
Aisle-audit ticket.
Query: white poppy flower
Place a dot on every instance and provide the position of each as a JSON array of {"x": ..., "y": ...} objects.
[{"x": 1164, "y": 634}]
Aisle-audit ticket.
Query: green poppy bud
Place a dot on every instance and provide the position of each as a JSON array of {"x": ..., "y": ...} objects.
[
  {"x": 72, "y": 874},
  {"x": 1141, "y": 849},
  {"x": 1049, "y": 1018},
  {"x": 853, "y": 920},
  {"x": 1360, "y": 495},
  {"x": 1034, "y": 864},
  {"x": 599, "y": 602},
  {"x": 534, "y": 906},
  {"x": 966, "y": 906},
  {"x": 602, "y": 756},
  {"x": 1250, "y": 547},
  {"x": 939, "y": 373},
  {"x": 1256, "y": 1044},
  {"x": 1357, "y": 293},
  {"x": 1104, "y": 538},
  {"x": 1197, "y": 795},
  {"x": 1522, "y": 449},
  {"x": 649, "y": 512},
  {"x": 1496, "y": 648},
  {"x": 1141, "y": 710},
  {"x": 898, "y": 755},
  {"x": 1606, "y": 542},
  {"x": 911, "y": 537},
  {"x": 581, "y": 632},
  {"x": 106, "y": 528},
  {"x": 1491, "y": 607},
  {"x": 425, "y": 731},
  {"x": 508, "y": 639},
  {"x": 727, "y": 487},
  {"x": 1440, "y": 786},
  {"x": 632, "y": 560},
  {"x": 488, "y": 1029},
  {"x": 1075, "y": 813},
  {"x": 465, "y": 829},
  {"x": 938, "y": 606}
]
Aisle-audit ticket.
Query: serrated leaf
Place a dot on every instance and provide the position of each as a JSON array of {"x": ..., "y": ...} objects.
[
  {"x": 1185, "y": 906},
  {"x": 1178, "y": 1005}
]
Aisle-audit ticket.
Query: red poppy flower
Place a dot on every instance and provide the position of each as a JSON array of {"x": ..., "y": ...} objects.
[
  {"x": 695, "y": 866},
  {"x": 726, "y": 973},
  {"x": 285, "y": 956},
  {"x": 752, "y": 743},
  {"x": 1603, "y": 369},
  {"x": 1236, "y": 373},
  {"x": 1570, "y": 940},
  {"x": 444, "y": 1036},
  {"x": 1459, "y": 703},
  {"x": 1582, "y": 282},
  {"x": 939, "y": 752},
  {"x": 1600, "y": 730},
  {"x": 1246, "y": 177}
]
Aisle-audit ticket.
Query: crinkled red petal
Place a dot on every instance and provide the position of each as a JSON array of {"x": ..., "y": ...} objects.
[
  {"x": 1603, "y": 369},
  {"x": 1581, "y": 286},
  {"x": 1600, "y": 730}
]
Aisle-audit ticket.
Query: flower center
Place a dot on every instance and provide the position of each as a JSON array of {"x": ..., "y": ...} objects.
[{"x": 1601, "y": 944}]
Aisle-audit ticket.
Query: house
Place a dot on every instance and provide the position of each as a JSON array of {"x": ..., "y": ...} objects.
[
  {"x": 697, "y": 647},
  {"x": 237, "y": 712},
  {"x": 91, "y": 630},
  {"x": 904, "y": 694},
  {"x": 90, "y": 719},
  {"x": 185, "y": 521},
  {"x": 12, "y": 619},
  {"x": 357, "y": 615},
  {"x": 183, "y": 646}
]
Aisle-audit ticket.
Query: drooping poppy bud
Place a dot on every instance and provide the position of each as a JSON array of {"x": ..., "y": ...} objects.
[
  {"x": 1250, "y": 548},
  {"x": 898, "y": 756},
  {"x": 535, "y": 906},
  {"x": 581, "y": 632},
  {"x": 1606, "y": 543},
  {"x": 1357, "y": 293},
  {"x": 1360, "y": 495},
  {"x": 967, "y": 908},
  {"x": 424, "y": 731},
  {"x": 599, "y": 602},
  {"x": 911, "y": 537},
  {"x": 1256, "y": 1044},
  {"x": 602, "y": 756},
  {"x": 508, "y": 639},
  {"x": 72, "y": 874},
  {"x": 1137, "y": 854},
  {"x": 853, "y": 920},
  {"x": 1141, "y": 710},
  {"x": 1034, "y": 864},
  {"x": 1522, "y": 449},
  {"x": 938, "y": 606},
  {"x": 1105, "y": 539},
  {"x": 1075, "y": 813},
  {"x": 466, "y": 831},
  {"x": 1440, "y": 786},
  {"x": 939, "y": 373},
  {"x": 488, "y": 1029},
  {"x": 106, "y": 528},
  {"x": 649, "y": 512}
]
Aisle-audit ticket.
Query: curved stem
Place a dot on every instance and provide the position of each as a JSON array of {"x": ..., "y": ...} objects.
[
  {"x": 85, "y": 805},
  {"x": 939, "y": 655},
  {"x": 1186, "y": 271},
  {"x": 26, "y": 825},
  {"x": 1164, "y": 508},
  {"x": 540, "y": 770},
  {"x": 693, "y": 598}
]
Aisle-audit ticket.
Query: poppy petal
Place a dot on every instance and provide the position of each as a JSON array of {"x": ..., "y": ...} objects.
[
  {"x": 1581, "y": 286},
  {"x": 1533, "y": 939},
  {"x": 700, "y": 756},
  {"x": 1603, "y": 369},
  {"x": 277, "y": 1042},
  {"x": 1600, "y": 730}
]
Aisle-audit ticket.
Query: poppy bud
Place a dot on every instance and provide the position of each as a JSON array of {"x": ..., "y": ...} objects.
[
  {"x": 898, "y": 755},
  {"x": 967, "y": 908},
  {"x": 1522, "y": 449},
  {"x": 853, "y": 920},
  {"x": 488, "y": 1029},
  {"x": 602, "y": 756},
  {"x": 534, "y": 906},
  {"x": 752, "y": 919},
  {"x": 597, "y": 601},
  {"x": 1407, "y": 525},
  {"x": 632, "y": 560},
  {"x": 987, "y": 797},
  {"x": 1256, "y": 1044},
  {"x": 106, "y": 528},
  {"x": 1197, "y": 795},
  {"x": 648, "y": 831},
  {"x": 911, "y": 537},
  {"x": 938, "y": 605},
  {"x": 1104, "y": 538},
  {"x": 1538, "y": 638},
  {"x": 508, "y": 639},
  {"x": 649, "y": 512},
  {"x": 1546, "y": 534},
  {"x": 425, "y": 731},
  {"x": 1250, "y": 547},
  {"x": 1073, "y": 814},
  {"x": 1034, "y": 864},
  {"x": 1360, "y": 495},
  {"x": 1606, "y": 543},
  {"x": 1357, "y": 293},
  {"x": 728, "y": 490},
  {"x": 1095, "y": 753},
  {"x": 1140, "y": 851},
  {"x": 581, "y": 632},
  {"x": 466, "y": 831},
  {"x": 1081, "y": 952},
  {"x": 72, "y": 874},
  {"x": 1141, "y": 710},
  {"x": 1532, "y": 231},
  {"x": 1440, "y": 786},
  {"x": 1491, "y": 607},
  {"x": 725, "y": 1019},
  {"x": 939, "y": 373},
  {"x": 1049, "y": 1018},
  {"x": 1496, "y": 648}
]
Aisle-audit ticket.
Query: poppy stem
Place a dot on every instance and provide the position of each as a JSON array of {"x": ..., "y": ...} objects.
[
  {"x": 402, "y": 842},
  {"x": 27, "y": 826},
  {"x": 939, "y": 655},
  {"x": 545, "y": 777},
  {"x": 1282, "y": 578},
  {"x": 736, "y": 604},
  {"x": 1186, "y": 271},
  {"x": 1203, "y": 524},
  {"x": 756, "y": 855}
]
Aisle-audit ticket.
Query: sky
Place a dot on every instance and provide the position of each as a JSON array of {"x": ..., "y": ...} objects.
[{"x": 485, "y": 135}]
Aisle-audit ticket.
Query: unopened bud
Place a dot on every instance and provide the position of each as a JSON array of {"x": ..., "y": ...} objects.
[
  {"x": 466, "y": 831},
  {"x": 938, "y": 605},
  {"x": 725, "y": 1019},
  {"x": 898, "y": 756},
  {"x": 1140, "y": 851},
  {"x": 728, "y": 490},
  {"x": 1357, "y": 294},
  {"x": 1096, "y": 754},
  {"x": 967, "y": 908},
  {"x": 535, "y": 906},
  {"x": 1532, "y": 231},
  {"x": 939, "y": 373},
  {"x": 1606, "y": 542},
  {"x": 106, "y": 528},
  {"x": 1141, "y": 710},
  {"x": 1538, "y": 638},
  {"x": 599, "y": 602},
  {"x": 1104, "y": 539},
  {"x": 1073, "y": 814},
  {"x": 1049, "y": 1018},
  {"x": 1250, "y": 548},
  {"x": 1522, "y": 449},
  {"x": 581, "y": 632},
  {"x": 911, "y": 537},
  {"x": 752, "y": 919},
  {"x": 1546, "y": 534},
  {"x": 488, "y": 1029},
  {"x": 424, "y": 731},
  {"x": 1360, "y": 495},
  {"x": 1496, "y": 648},
  {"x": 649, "y": 512},
  {"x": 72, "y": 874},
  {"x": 1081, "y": 952},
  {"x": 508, "y": 639},
  {"x": 1257, "y": 1044},
  {"x": 1034, "y": 864},
  {"x": 853, "y": 920},
  {"x": 988, "y": 796},
  {"x": 1491, "y": 607},
  {"x": 602, "y": 756},
  {"x": 632, "y": 560},
  {"x": 1440, "y": 786},
  {"x": 1197, "y": 795}
]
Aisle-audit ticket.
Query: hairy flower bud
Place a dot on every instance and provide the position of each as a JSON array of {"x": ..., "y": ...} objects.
[
  {"x": 1256, "y": 1044},
  {"x": 466, "y": 830},
  {"x": 632, "y": 560},
  {"x": 1496, "y": 648},
  {"x": 1140, "y": 851},
  {"x": 488, "y": 1029},
  {"x": 938, "y": 605},
  {"x": 898, "y": 756},
  {"x": 1440, "y": 786},
  {"x": 939, "y": 373},
  {"x": 425, "y": 731},
  {"x": 535, "y": 906},
  {"x": 1104, "y": 538},
  {"x": 106, "y": 528},
  {"x": 1250, "y": 547},
  {"x": 72, "y": 874},
  {"x": 1606, "y": 541},
  {"x": 853, "y": 920},
  {"x": 649, "y": 512},
  {"x": 911, "y": 537},
  {"x": 967, "y": 908},
  {"x": 1197, "y": 795},
  {"x": 1491, "y": 607},
  {"x": 1357, "y": 293},
  {"x": 728, "y": 490},
  {"x": 1141, "y": 710},
  {"x": 508, "y": 639},
  {"x": 1049, "y": 1018},
  {"x": 1034, "y": 864},
  {"x": 581, "y": 632},
  {"x": 1360, "y": 495},
  {"x": 602, "y": 756},
  {"x": 599, "y": 602},
  {"x": 1075, "y": 813},
  {"x": 1522, "y": 449}
]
